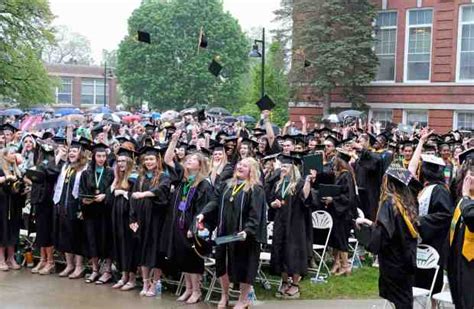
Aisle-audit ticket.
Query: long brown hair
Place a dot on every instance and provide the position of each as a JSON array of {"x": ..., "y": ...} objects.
[
  {"x": 398, "y": 193},
  {"x": 156, "y": 173},
  {"x": 203, "y": 168},
  {"x": 121, "y": 178}
]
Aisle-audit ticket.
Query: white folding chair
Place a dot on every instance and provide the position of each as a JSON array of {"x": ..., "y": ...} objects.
[
  {"x": 426, "y": 258},
  {"x": 265, "y": 258},
  {"x": 354, "y": 242},
  {"x": 443, "y": 297},
  {"x": 322, "y": 220}
]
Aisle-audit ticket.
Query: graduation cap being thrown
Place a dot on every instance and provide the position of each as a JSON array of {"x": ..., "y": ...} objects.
[
  {"x": 144, "y": 37},
  {"x": 202, "y": 39},
  {"x": 215, "y": 68},
  {"x": 265, "y": 103}
]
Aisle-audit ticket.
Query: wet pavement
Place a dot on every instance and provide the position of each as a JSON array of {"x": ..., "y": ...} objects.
[{"x": 20, "y": 289}]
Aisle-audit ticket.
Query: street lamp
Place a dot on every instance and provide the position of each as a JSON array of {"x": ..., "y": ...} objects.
[
  {"x": 107, "y": 74},
  {"x": 255, "y": 53}
]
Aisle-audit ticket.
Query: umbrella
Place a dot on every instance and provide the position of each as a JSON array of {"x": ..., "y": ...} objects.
[
  {"x": 100, "y": 110},
  {"x": 190, "y": 110},
  {"x": 332, "y": 118},
  {"x": 122, "y": 113},
  {"x": 230, "y": 119},
  {"x": 102, "y": 116},
  {"x": 350, "y": 113},
  {"x": 169, "y": 115},
  {"x": 67, "y": 111},
  {"x": 155, "y": 115},
  {"x": 12, "y": 112},
  {"x": 76, "y": 119},
  {"x": 52, "y": 124},
  {"x": 218, "y": 111},
  {"x": 41, "y": 110},
  {"x": 246, "y": 118},
  {"x": 131, "y": 118}
]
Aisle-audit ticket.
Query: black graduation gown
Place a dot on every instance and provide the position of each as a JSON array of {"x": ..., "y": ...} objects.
[
  {"x": 369, "y": 180},
  {"x": 125, "y": 242},
  {"x": 434, "y": 229},
  {"x": 68, "y": 227},
  {"x": 42, "y": 203},
  {"x": 247, "y": 212},
  {"x": 97, "y": 216},
  {"x": 396, "y": 249},
  {"x": 11, "y": 205},
  {"x": 342, "y": 211},
  {"x": 268, "y": 185},
  {"x": 292, "y": 233},
  {"x": 150, "y": 214},
  {"x": 175, "y": 243},
  {"x": 460, "y": 270}
]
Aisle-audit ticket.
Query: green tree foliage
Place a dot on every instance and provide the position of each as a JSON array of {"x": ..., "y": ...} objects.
[
  {"x": 339, "y": 42},
  {"x": 171, "y": 72},
  {"x": 276, "y": 86},
  {"x": 24, "y": 30}
]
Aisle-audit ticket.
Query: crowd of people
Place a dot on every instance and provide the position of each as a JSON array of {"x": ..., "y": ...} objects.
[{"x": 147, "y": 196}]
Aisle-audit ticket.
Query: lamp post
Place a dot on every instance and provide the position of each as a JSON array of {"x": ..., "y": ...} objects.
[
  {"x": 255, "y": 53},
  {"x": 105, "y": 84}
]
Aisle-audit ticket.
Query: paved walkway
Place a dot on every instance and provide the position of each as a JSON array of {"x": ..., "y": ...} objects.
[{"x": 20, "y": 289}]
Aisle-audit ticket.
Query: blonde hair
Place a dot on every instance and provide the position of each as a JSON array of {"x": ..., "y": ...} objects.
[
  {"x": 121, "y": 178},
  {"x": 157, "y": 172},
  {"x": 6, "y": 165},
  {"x": 254, "y": 175},
  {"x": 203, "y": 168},
  {"x": 295, "y": 177},
  {"x": 214, "y": 171}
]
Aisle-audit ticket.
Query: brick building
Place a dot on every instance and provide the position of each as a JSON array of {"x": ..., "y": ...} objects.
[
  {"x": 426, "y": 71},
  {"x": 83, "y": 86}
]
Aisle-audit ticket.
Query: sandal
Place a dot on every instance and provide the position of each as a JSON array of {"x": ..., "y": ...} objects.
[
  {"x": 281, "y": 292},
  {"x": 105, "y": 280},
  {"x": 128, "y": 286},
  {"x": 294, "y": 295},
  {"x": 92, "y": 277},
  {"x": 119, "y": 284}
]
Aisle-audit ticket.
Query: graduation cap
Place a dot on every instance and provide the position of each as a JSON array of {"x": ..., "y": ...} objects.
[
  {"x": 149, "y": 151},
  {"x": 9, "y": 127},
  {"x": 216, "y": 147},
  {"x": 372, "y": 138},
  {"x": 205, "y": 152},
  {"x": 144, "y": 37},
  {"x": 202, "y": 39},
  {"x": 467, "y": 154},
  {"x": 286, "y": 159},
  {"x": 125, "y": 152},
  {"x": 432, "y": 159},
  {"x": 399, "y": 173},
  {"x": 122, "y": 139},
  {"x": 332, "y": 139},
  {"x": 270, "y": 157},
  {"x": 259, "y": 132},
  {"x": 251, "y": 142},
  {"x": 201, "y": 115},
  {"x": 98, "y": 129},
  {"x": 409, "y": 143},
  {"x": 232, "y": 138},
  {"x": 344, "y": 155},
  {"x": 307, "y": 63},
  {"x": 82, "y": 143},
  {"x": 99, "y": 147},
  {"x": 47, "y": 135},
  {"x": 345, "y": 142},
  {"x": 429, "y": 148},
  {"x": 150, "y": 127},
  {"x": 215, "y": 68},
  {"x": 265, "y": 103},
  {"x": 60, "y": 140}
]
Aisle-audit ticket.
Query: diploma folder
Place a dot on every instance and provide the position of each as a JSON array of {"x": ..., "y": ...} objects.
[
  {"x": 312, "y": 162},
  {"x": 363, "y": 234},
  {"x": 228, "y": 239},
  {"x": 34, "y": 175},
  {"x": 329, "y": 190}
]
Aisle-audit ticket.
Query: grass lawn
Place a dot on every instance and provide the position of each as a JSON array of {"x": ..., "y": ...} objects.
[{"x": 363, "y": 283}]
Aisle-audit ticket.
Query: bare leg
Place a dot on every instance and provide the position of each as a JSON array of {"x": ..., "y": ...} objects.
[
  {"x": 243, "y": 301},
  {"x": 189, "y": 288},
  {"x": 337, "y": 262},
  {"x": 50, "y": 265},
  {"x": 284, "y": 285},
  {"x": 225, "y": 291},
  {"x": 3, "y": 264},
  {"x": 146, "y": 279},
  {"x": 79, "y": 270},
  {"x": 69, "y": 265},
  {"x": 41, "y": 263},
  {"x": 107, "y": 275},
  {"x": 196, "y": 286},
  {"x": 11, "y": 258},
  {"x": 294, "y": 290}
]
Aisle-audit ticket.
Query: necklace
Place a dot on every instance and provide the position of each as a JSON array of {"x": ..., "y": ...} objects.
[
  {"x": 235, "y": 190},
  {"x": 97, "y": 180}
]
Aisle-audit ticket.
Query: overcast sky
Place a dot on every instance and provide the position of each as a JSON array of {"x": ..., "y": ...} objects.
[{"x": 104, "y": 22}]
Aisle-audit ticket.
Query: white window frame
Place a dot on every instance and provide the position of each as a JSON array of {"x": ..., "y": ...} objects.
[
  {"x": 456, "y": 117},
  {"x": 407, "y": 40},
  {"x": 57, "y": 91},
  {"x": 371, "y": 112},
  {"x": 95, "y": 94},
  {"x": 458, "y": 52},
  {"x": 406, "y": 111},
  {"x": 396, "y": 43}
]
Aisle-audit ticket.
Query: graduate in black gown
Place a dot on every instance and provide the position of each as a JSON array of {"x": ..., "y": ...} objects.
[
  {"x": 394, "y": 237},
  {"x": 238, "y": 208},
  {"x": 42, "y": 190},
  {"x": 342, "y": 209},
  {"x": 292, "y": 230},
  {"x": 68, "y": 225},
  {"x": 97, "y": 214},
  {"x": 149, "y": 207},
  {"x": 461, "y": 250},
  {"x": 12, "y": 200},
  {"x": 192, "y": 192},
  {"x": 125, "y": 244}
]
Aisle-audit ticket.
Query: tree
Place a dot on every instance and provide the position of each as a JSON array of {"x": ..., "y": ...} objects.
[
  {"x": 276, "y": 86},
  {"x": 24, "y": 29},
  {"x": 171, "y": 72},
  {"x": 339, "y": 45},
  {"x": 283, "y": 33},
  {"x": 69, "y": 47},
  {"x": 109, "y": 57}
]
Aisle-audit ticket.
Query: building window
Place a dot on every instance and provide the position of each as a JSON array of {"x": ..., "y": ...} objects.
[
  {"x": 92, "y": 91},
  {"x": 420, "y": 117},
  {"x": 385, "y": 45},
  {"x": 466, "y": 44},
  {"x": 465, "y": 121},
  {"x": 418, "y": 47},
  {"x": 63, "y": 93},
  {"x": 384, "y": 116}
]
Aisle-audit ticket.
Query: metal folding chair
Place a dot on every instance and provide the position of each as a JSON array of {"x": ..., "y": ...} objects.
[{"x": 322, "y": 220}]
